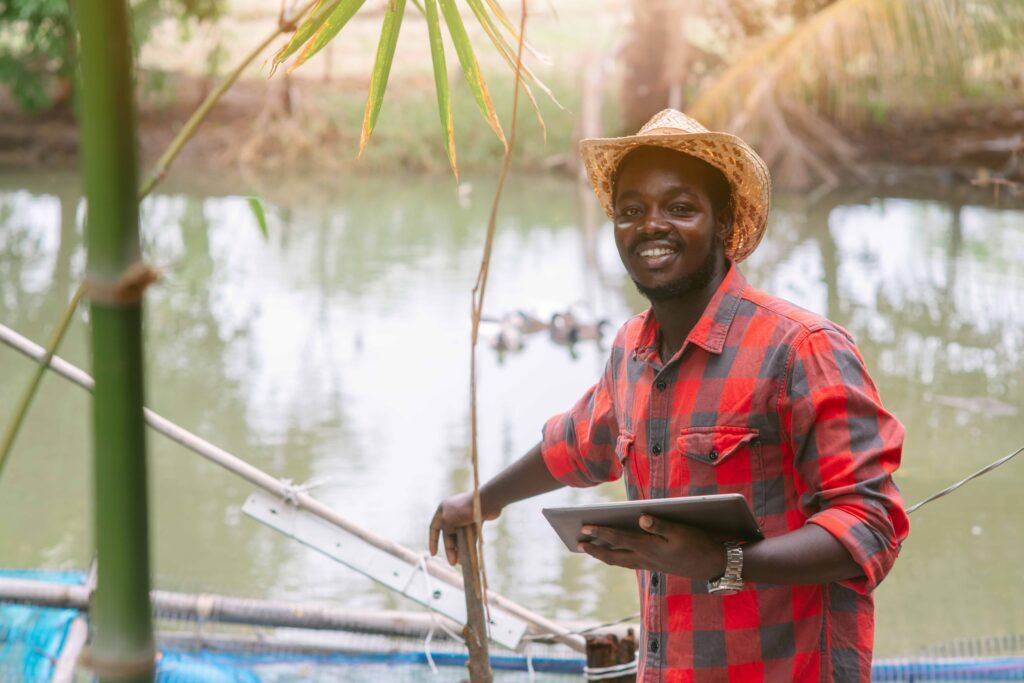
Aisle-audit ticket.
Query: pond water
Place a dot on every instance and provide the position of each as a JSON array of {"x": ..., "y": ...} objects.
[{"x": 338, "y": 349}]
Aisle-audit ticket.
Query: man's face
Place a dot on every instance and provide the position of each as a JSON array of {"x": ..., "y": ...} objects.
[{"x": 666, "y": 228}]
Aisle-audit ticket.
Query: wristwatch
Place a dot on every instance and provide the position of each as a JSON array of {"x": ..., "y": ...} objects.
[{"x": 732, "y": 580}]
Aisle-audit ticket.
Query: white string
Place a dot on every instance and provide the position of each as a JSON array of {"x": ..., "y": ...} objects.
[
  {"x": 529, "y": 662},
  {"x": 292, "y": 490},
  {"x": 600, "y": 673},
  {"x": 434, "y": 621}
]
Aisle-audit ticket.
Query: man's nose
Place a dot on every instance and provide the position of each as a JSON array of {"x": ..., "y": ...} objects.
[{"x": 654, "y": 223}]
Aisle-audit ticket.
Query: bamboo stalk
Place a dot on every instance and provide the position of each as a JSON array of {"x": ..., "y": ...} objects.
[
  {"x": 122, "y": 645},
  {"x": 538, "y": 624}
]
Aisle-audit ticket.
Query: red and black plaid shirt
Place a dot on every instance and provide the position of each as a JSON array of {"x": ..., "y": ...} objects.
[{"x": 767, "y": 400}]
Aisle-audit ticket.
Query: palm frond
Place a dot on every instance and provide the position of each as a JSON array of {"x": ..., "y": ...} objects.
[
  {"x": 856, "y": 54},
  {"x": 327, "y": 17},
  {"x": 393, "y": 15}
]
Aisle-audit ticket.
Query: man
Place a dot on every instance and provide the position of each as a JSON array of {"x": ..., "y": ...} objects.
[{"x": 720, "y": 388}]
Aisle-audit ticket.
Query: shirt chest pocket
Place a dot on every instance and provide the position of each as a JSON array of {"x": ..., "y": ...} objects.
[{"x": 720, "y": 459}]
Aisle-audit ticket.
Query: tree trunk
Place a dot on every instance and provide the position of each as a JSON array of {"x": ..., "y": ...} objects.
[{"x": 654, "y": 61}]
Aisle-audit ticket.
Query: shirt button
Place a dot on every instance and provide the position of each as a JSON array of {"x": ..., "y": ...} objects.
[
  {"x": 713, "y": 455},
  {"x": 660, "y": 385},
  {"x": 655, "y": 581},
  {"x": 656, "y": 449},
  {"x": 652, "y": 645}
]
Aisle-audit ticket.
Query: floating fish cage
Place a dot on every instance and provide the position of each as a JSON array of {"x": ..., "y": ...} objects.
[{"x": 218, "y": 639}]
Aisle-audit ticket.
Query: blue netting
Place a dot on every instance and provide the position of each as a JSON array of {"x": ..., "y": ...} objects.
[{"x": 31, "y": 638}]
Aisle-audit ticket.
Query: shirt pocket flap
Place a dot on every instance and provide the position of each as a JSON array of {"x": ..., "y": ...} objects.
[{"x": 714, "y": 445}]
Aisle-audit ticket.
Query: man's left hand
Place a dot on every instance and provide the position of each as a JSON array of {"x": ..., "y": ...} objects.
[{"x": 659, "y": 546}]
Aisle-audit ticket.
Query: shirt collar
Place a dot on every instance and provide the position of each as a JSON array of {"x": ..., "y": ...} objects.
[{"x": 711, "y": 329}]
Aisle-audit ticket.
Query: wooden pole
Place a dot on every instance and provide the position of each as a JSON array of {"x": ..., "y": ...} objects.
[
  {"x": 122, "y": 646},
  {"x": 475, "y": 631}
]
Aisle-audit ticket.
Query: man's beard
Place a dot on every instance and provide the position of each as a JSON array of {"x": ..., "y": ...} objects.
[{"x": 695, "y": 281}]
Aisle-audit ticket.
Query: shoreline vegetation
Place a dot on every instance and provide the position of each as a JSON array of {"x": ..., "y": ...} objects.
[
  {"x": 950, "y": 115},
  {"x": 305, "y": 125}
]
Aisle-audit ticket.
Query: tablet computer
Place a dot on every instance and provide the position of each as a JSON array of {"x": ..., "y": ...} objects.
[{"x": 726, "y": 516}]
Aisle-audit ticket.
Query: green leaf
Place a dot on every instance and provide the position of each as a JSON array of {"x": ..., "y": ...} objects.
[
  {"x": 261, "y": 218},
  {"x": 316, "y": 18},
  {"x": 330, "y": 28},
  {"x": 444, "y": 103},
  {"x": 381, "y": 67},
  {"x": 509, "y": 55},
  {"x": 470, "y": 68}
]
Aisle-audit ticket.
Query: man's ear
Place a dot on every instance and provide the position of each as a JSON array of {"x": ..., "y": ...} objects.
[{"x": 724, "y": 223}]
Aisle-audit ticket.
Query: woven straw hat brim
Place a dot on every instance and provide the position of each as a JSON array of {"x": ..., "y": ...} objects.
[{"x": 746, "y": 172}]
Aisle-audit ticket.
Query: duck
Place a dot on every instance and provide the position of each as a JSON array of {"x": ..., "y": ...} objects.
[{"x": 576, "y": 324}]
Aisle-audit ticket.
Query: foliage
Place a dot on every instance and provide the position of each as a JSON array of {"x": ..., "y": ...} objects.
[
  {"x": 36, "y": 41},
  {"x": 38, "y": 46},
  {"x": 854, "y": 60},
  {"x": 328, "y": 17}
]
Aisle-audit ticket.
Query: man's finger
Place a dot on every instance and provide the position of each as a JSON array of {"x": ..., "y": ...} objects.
[
  {"x": 653, "y": 525},
  {"x": 618, "y": 558},
  {"x": 434, "y": 532},
  {"x": 616, "y": 538},
  {"x": 451, "y": 548}
]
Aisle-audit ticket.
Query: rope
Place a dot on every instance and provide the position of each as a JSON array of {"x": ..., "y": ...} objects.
[
  {"x": 584, "y": 631},
  {"x": 434, "y": 621},
  {"x": 949, "y": 489},
  {"x": 126, "y": 290},
  {"x": 600, "y": 673},
  {"x": 292, "y": 490}
]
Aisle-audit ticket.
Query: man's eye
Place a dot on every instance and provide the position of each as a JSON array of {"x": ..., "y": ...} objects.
[
  {"x": 681, "y": 209},
  {"x": 630, "y": 212}
]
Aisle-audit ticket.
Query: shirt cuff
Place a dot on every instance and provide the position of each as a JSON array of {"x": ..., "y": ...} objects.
[
  {"x": 557, "y": 448},
  {"x": 874, "y": 553}
]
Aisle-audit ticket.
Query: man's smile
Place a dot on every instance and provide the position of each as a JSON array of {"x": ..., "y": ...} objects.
[{"x": 657, "y": 255}]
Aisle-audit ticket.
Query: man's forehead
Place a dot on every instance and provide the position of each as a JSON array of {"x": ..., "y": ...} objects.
[{"x": 667, "y": 165}]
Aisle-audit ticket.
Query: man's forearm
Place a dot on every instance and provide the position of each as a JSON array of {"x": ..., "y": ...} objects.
[
  {"x": 525, "y": 478},
  {"x": 804, "y": 556}
]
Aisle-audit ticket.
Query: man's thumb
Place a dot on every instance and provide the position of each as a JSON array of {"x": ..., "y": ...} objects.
[{"x": 649, "y": 523}]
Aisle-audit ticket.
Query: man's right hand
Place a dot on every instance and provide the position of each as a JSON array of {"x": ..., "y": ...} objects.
[{"x": 452, "y": 514}]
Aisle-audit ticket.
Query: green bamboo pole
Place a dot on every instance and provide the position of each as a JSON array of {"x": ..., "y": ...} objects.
[{"x": 122, "y": 646}]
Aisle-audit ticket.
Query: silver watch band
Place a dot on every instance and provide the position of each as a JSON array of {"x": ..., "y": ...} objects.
[{"x": 732, "y": 580}]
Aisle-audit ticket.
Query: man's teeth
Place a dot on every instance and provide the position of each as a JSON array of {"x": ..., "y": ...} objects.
[{"x": 661, "y": 251}]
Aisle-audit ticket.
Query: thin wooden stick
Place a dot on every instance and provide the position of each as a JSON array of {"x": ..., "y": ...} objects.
[
  {"x": 479, "y": 289},
  {"x": 475, "y": 630}
]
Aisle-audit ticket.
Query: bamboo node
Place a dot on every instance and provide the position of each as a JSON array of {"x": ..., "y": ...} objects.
[
  {"x": 126, "y": 290},
  {"x": 118, "y": 668}
]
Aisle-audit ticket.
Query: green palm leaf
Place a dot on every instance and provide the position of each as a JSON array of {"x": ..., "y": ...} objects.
[
  {"x": 854, "y": 52},
  {"x": 381, "y": 67},
  {"x": 470, "y": 68},
  {"x": 509, "y": 55},
  {"x": 335, "y": 21},
  {"x": 317, "y": 16},
  {"x": 444, "y": 103}
]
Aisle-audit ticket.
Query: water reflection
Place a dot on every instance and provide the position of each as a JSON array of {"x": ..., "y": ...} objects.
[{"x": 338, "y": 348}]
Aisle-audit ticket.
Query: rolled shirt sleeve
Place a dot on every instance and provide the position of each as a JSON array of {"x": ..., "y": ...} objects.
[
  {"x": 578, "y": 446},
  {"x": 845, "y": 448}
]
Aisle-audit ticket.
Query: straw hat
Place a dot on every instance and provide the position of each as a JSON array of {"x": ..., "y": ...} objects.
[{"x": 743, "y": 168}]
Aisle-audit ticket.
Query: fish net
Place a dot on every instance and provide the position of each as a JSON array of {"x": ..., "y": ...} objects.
[{"x": 202, "y": 639}]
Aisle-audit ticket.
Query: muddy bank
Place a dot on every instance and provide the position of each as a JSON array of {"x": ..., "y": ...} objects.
[{"x": 313, "y": 125}]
